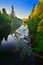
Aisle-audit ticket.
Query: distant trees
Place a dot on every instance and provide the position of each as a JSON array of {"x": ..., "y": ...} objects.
[
  {"x": 12, "y": 11},
  {"x": 16, "y": 22},
  {"x": 13, "y": 25},
  {"x": 4, "y": 11}
]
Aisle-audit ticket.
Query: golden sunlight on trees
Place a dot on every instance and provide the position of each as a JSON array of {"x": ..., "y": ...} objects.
[
  {"x": 41, "y": 1},
  {"x": 35, "y": 26}
]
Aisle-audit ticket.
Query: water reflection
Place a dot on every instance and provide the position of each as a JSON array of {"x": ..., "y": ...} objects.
[
  {"x": 9, "y": 43},
  {"x": 12, "y": 39},
  {"x": 23, "y": 54}
]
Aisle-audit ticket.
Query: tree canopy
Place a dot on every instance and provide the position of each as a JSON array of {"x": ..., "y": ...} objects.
[
  {"x": 8, "y": 23},
  {"x": 35, "y": 26},
  {"x": 5, "y": 26}
]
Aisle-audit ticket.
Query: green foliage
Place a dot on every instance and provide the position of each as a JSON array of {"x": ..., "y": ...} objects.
[
  {"x": 35, "y": 34},
  {"x": 5, "y": 26},
  {"x": 32, "y": 25},
  {"x": 8, "y": 24},
  {"x": 35, "y": 26},
  {"x": 15, "y": 24}
]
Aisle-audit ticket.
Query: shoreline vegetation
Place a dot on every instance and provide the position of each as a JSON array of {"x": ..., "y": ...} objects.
[
  {"x": 35, "y": 26},
  {"x": 8, "y": 23}
]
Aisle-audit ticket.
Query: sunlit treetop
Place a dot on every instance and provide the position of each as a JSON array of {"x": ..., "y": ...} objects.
[{"x": 41, "y": 1}]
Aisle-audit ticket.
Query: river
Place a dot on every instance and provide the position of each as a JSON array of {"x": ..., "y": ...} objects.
[
  {"x": 20, "y": 51},
  {"x": 12, "y": 40}
]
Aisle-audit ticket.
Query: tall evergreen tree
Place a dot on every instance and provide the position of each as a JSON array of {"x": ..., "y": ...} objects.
[
  {"x": 13, "y": 25},
  {"x": 33, "y": 8},
  {"x": 12, "y": 11}
]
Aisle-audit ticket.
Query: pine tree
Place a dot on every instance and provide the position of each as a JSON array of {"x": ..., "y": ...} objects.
[
  {"x": 12, "y": 11},
  {"x": 33, "y": 8},
  {"x": 33, "y": 11},
  {"x": 13, "y": 25}
]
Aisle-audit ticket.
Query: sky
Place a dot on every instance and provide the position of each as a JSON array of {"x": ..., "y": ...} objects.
[{"x": 22, "y": 8}]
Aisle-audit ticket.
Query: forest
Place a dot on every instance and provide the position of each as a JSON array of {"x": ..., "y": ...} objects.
[
  {"x": 8, "y": 23},
  {"x": 35, "y": 26}
]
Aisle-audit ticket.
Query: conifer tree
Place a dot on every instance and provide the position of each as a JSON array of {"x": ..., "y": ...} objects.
[
  {"x": 12, "y": 11},
  {"x": 13, "y": 25}
]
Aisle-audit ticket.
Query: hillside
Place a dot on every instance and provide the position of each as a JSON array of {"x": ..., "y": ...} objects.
[{"x": 35, "y": 26}]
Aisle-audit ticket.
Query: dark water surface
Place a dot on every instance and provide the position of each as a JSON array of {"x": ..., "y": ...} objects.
[{"x": 8, "y": 58}]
